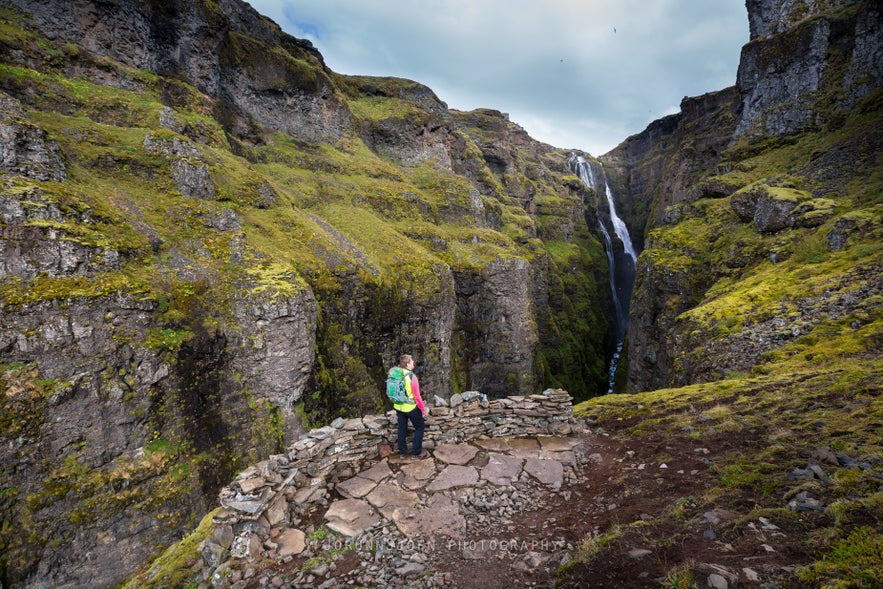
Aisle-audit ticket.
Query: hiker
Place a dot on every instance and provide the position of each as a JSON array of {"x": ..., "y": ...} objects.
[{"x": 413, "y": 409}]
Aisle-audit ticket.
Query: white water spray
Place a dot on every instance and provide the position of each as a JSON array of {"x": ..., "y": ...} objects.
[
  {"x": 619, "y": 227},
  {"x": 620, "y": 296}
]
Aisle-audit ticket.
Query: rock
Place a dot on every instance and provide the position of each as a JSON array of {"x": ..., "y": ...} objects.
[
  {"x": 524, "y": 447},
  {"x": 246, "y": 545},
  {"x": 455, "y": 453},
  {"x": 308, "y": 494},
  {"x": 468, "y": 396},
  {"x": 411, "y": 569},
  {"x": 291, "y": 542},
  {"x": 439, "y": 516},
  {"x": 493, "y": 444},
  {"x": 846, "y": 461},
  {"x": 801, "y": 473},
  {"x": 222, "y": 535},
  {"x": 417, "y": 473},
  {"x": 840, "y": 232},
  {"x": 818, "y": 472},
  {"x": 548, "y": 472},
  {"x": 501, "y": 469},
  {"x": 193, "y": 180},
  {"x": 639, "y": 553},
  {"x": 557, "y": 443},
  {"x": 378, "y": 472},
  {"x": 717, "y": 582},
  {"x": 351, "y": 517},
  {"x": 453, "y": 476},
  {"x": 356, "y": 487},
  {"x": 278, "y": 510},
  {"x": 251, "y": 485},
  {"x": 25, "y": 149},
  {"x": 388, "y": 495},
  {"x": 212, "y": 554}
]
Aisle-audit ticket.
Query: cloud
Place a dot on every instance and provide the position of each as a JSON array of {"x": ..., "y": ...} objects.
[{"x": 582, "y": 75}]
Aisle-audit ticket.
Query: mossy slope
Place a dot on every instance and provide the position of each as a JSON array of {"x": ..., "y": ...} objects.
[{"x": 212, "y": 228}]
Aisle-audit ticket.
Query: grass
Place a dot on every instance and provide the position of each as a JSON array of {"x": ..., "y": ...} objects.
[
  {"x": 372, "y": 240},
  {"x": 178, "y": 565}
]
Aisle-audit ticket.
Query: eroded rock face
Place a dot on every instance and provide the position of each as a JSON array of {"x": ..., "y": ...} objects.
[
  {"x": 499, "y": 335},
  {"x": 104, "y": 390},
  {"x": 37, "y": 236},
  {"x": 25, "y": 150},
  {"x": 276, "y": 343},
  {"x": 647, "y": 186},
  {"x": 203, "y": 42},
  {"x": 798, "y": 52},
  {"x": 792, "y": 56}
]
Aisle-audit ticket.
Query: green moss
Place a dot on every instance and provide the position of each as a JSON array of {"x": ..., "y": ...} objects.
[
  {"x": 179, "y": 564},
  {"x": 272, "y": 67},
  {"x": 854, "y": 561}
]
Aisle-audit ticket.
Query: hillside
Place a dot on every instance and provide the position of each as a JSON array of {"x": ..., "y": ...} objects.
[
  {"x": 210, "y": 242},
  {"x": 194, "y": 271}
]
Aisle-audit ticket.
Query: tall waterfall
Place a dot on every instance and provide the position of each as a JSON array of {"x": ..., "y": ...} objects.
[{"x": 620, "y": 260}]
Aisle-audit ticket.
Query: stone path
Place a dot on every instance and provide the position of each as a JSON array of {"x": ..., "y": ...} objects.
[{"x": 412, "y": 494}]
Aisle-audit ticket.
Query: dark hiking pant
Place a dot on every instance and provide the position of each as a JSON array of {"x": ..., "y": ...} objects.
[{"x": 416, "y": 418}]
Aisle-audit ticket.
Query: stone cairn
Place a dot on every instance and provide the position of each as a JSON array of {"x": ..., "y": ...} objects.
[{"x": 278, "y": 493}]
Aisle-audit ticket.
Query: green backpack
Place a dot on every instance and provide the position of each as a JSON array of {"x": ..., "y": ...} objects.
[{"x": 395, "y": 387}]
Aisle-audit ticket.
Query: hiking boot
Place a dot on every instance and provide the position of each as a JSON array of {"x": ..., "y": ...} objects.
[{"x": 421, "y": 456}]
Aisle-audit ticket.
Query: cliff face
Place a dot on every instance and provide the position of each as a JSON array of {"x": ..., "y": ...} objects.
[
  {"x": 208, "y": 241},
  {"x": 746, "y": 179},
  {"x": 806, "y": 64}
]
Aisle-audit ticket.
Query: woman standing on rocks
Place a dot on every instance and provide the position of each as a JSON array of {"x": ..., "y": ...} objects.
[{"x": 414, "y": 410}]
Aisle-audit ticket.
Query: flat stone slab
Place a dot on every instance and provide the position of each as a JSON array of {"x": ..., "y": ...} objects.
[
  {"x": 291, "y": 542},
  {"x": 387, "y": 496},
  {"x": 548, "y": 472},
  {"x": 524, "y": 447},
  {"x": 566, "y": 457},
  {"x": 420, "y": 469},
  {"x": 351, "y": 517},
  {"x": 453, "y": 476},
  {"x": 440, "y": 516},
  {"x": 307, "y": 494},
  {"x": 355, "y": 487},
  {"x": 455, "y": 453},
  {"x": 416, "y": 474},
  {"x": 493, "y": 444},
  {"x": 378, "y": 472},
  {"x": 501, "y": 469},
  {"x": 557, "y": 444}
]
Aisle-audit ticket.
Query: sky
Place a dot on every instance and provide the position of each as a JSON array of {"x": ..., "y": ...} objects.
[{"x": 581, "y": 74}]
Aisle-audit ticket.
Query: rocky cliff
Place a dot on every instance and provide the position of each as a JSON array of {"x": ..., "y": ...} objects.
[
  {"x": 742, "y": 180},
  {"x": 209, "y": 241}
]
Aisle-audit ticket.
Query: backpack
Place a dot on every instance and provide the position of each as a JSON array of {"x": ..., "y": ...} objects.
[{"x": 395, "y": 388}]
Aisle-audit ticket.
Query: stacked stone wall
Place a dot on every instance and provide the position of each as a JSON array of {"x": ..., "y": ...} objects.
[{"x": 280, "y": 491}]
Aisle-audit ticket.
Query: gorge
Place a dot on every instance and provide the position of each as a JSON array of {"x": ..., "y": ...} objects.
[
  {"x": 621, "y": 260},
  {"x": 211, "y": 244}
]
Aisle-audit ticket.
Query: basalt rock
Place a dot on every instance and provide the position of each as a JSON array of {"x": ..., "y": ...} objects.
[
  {"x": 25, "y": 149},
  {"x": 799, "y": 50},
  {"x": 798, "y": 73}
]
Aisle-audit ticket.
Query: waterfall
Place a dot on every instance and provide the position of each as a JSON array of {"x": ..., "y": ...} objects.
[
  {"x": 621, "y": 263},
  {"x": 622, "y": 232}
]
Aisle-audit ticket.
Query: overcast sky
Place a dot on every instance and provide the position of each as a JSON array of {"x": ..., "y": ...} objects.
[{"x": 581, "y": 74}]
